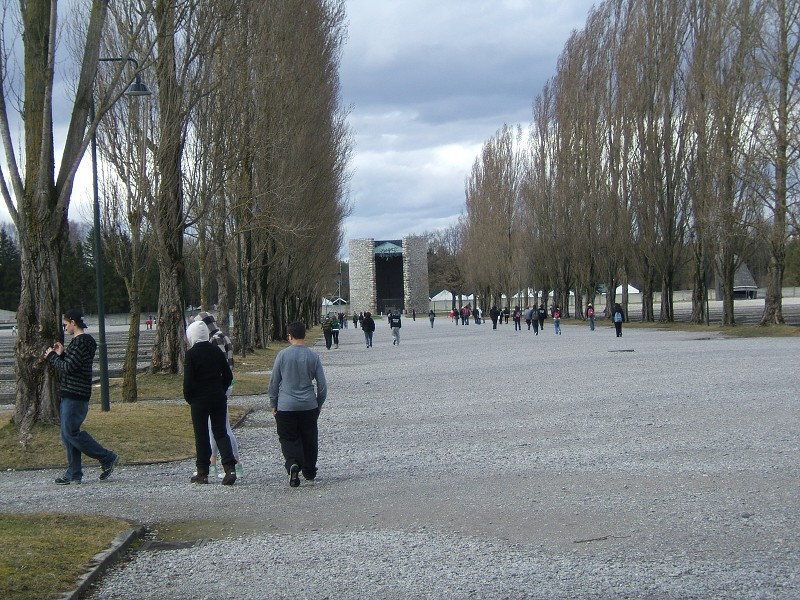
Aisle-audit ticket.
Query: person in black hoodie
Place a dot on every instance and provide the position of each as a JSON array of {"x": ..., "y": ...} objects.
[
  {"x": 541, "y": 313},
  {"x": 494, "y": 313},
  {"x": 206, "y": 377},
  {"x": 368, "y": 327},
  {"x": 395, "y": 324}
]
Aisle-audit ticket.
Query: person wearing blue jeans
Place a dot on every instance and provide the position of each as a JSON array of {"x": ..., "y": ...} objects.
[
  {"x": 75, "y": 364},
  {"x": 368, "y": 327}
]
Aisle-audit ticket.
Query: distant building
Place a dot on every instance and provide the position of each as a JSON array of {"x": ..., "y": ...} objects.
[{"x": 389, "y": 275}]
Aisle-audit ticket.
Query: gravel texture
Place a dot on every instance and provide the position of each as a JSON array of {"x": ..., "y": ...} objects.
[{"x": 472, "y": 463}]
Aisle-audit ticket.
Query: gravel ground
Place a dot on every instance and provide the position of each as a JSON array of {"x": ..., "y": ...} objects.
[{"x": 472, "y": 463}]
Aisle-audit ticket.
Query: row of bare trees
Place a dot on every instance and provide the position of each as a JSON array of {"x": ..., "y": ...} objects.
[
  {"x": 242, "y": 145},
  {"x": 667, "y": 141}
]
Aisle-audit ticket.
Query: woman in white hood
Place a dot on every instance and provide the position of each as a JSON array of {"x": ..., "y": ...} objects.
[{"x": 206, "y": 377}]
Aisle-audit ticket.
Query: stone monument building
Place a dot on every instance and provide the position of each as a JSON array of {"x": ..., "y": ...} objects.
[{"x": 389, "y": 275}]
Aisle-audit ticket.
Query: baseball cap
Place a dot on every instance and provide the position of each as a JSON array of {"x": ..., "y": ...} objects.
[{"x": 73, "y": 314}]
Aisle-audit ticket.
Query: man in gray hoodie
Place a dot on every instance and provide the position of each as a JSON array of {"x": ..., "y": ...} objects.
[{"x": 296, "y": 404}]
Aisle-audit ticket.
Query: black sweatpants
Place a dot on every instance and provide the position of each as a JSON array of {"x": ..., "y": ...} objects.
[
  {"x": 217, "y": 411},
  {"x": 298, "y": 435}
]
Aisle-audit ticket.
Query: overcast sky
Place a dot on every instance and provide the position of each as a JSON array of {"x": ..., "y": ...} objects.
[{"x": 427, "y": 84}]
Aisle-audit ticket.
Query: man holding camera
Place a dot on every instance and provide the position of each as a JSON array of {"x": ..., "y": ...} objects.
[{"x": 75, "y": 364}]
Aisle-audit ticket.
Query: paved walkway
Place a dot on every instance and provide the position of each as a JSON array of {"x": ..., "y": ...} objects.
[{"x": 472, "y": 463}]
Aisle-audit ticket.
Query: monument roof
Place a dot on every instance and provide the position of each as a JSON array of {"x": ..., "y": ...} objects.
[{"x": 389, "y": 247}]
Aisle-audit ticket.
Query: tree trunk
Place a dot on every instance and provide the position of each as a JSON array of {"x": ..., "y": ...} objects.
[
  {"x": 699, "y": 287},
  {"x": 773, "y": 304},
  {"x": 727, "y": 273},
  {"x": 39, "y": 323},
  {"x": 168, "y": 348},
  {"x": 130, "y": 366}
]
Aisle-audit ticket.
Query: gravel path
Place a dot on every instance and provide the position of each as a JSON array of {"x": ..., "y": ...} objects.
[{"x": 472, "y": 463}]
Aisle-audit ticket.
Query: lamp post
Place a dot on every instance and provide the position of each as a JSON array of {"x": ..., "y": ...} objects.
[{"x": 137, "y": 88}]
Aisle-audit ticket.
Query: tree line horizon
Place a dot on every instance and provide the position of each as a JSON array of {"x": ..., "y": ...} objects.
[{"x": 662, "y": 151}]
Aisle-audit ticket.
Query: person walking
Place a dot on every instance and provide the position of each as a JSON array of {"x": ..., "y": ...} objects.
[
  {"x": 327, "y": 330},
  {"x": 296, "y": 404},
  {"x": 541, "y": 314},
  {"x": 590, "y": 316},
  {"x": 517, "y": 318},
  {"x": 206, "y": 378},
  {"x": 75, "y": 364},
  {"x": 335, "y": 331},
  {"x": 527, "y": 315},
  {"x": 557, "y": 319},
  {"x": 368, "y": 327},
  {"x": 494, "y": 314},
  {"x": 224, "y": 343},
  {"x": 431, "y": 317},
  {"x": 395, "y": 324},
  {"x": 619, "y": 317}
]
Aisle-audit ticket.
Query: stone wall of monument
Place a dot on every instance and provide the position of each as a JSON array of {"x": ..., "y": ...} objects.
[
  {"x": 362, "y": 275},
  {"x": 415, "y": 274}
]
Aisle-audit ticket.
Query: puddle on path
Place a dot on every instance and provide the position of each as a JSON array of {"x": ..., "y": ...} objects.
[{"x": 176, "y": 534}]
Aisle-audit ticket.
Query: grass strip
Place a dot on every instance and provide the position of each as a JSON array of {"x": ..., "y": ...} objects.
[
  {"x": 140, "y": 432},
  {"x": 42, "y": 555}
]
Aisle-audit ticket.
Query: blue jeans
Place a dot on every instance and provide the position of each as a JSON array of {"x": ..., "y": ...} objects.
[
  {"x": 73, "y": 414},
  {"x": 368, "y": 338}
]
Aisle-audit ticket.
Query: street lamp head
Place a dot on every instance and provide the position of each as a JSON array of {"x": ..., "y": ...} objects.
[{"x": 137, "y": 88}]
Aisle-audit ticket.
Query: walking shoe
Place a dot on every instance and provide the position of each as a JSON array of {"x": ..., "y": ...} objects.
[
  {"x": 109, "y": 468},
  {"x": 199, "y": 478},
  {"x": 294, "y": 475},
  {"x": 230, "y": 475},
  {"x": 64, "y": 481}
]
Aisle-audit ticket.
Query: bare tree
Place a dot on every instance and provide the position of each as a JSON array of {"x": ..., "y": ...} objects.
[
  {"x": 721, "y": 102},
  {"x": 493, "y": 221},
  {"x": 776, "y": 131},
  {"x": 37, "y": 198}
]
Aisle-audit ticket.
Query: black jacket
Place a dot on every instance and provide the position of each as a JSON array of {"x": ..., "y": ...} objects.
[
  {"x": 206, "y": 374},
  {"x": 367, "y": 324}
]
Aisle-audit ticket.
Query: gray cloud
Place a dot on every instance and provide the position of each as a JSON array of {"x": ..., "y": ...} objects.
[{"x": 428, "y": 84}]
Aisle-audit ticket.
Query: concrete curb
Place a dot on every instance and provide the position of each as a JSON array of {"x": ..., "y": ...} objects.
[{"x": 103, "y": 560}]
